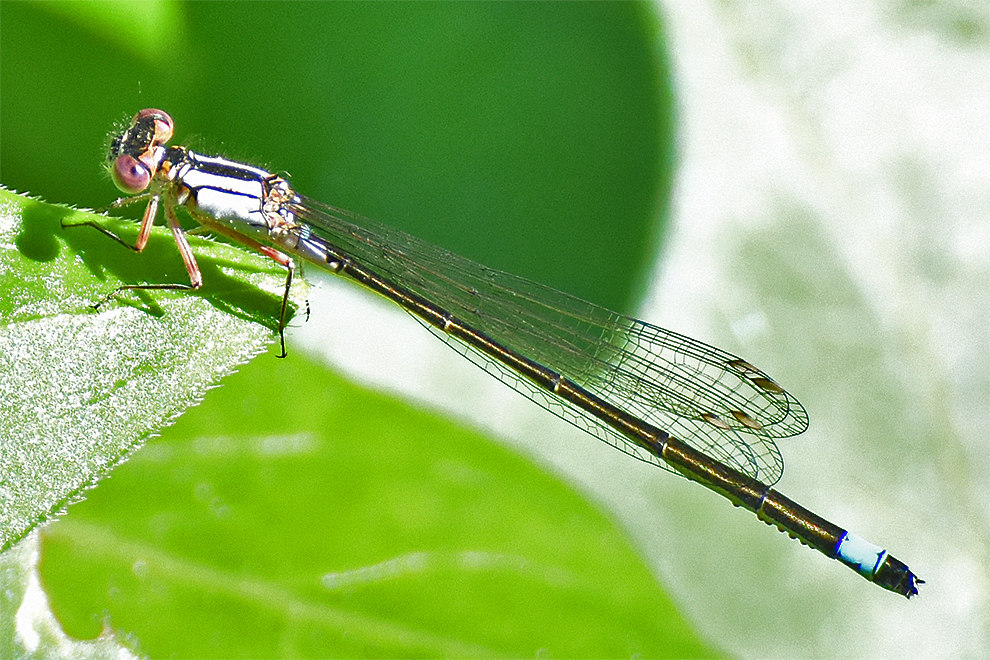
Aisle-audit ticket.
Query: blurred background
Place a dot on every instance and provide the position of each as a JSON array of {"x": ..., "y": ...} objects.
[{"x": 805, "y": 188}]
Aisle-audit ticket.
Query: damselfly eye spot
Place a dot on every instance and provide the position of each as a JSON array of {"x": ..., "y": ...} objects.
[
  {"x": 715, "y": 421},
  {"x": 746, "y": 420},
  {"x": 768, "y": 385},
  {"x": 130, "y": 174}
]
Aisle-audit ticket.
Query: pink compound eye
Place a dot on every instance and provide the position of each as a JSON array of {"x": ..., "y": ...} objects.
[
  {"x": 130, "y": 175},
  {"x": 163, "y": 124}
]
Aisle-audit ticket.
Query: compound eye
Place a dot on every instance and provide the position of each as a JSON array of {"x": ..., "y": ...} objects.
[
  {"x": 163, "y": 124},
  {"x": 130, "y": 175}
]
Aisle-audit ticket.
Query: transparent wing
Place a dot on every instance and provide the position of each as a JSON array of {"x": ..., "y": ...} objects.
[{"x": 711, "y": 399}]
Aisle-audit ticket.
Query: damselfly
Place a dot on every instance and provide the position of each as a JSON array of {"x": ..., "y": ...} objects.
[{"x": 656, "y": 395}]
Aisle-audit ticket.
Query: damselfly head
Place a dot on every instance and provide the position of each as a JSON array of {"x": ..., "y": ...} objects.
[{"x": 136, "y": 152}]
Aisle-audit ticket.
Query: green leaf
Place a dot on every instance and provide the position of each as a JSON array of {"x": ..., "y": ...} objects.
[
  {"x": 82, "y": 389},
  {"x": 150, "y": 30},
  {"x": 294, "y": 514}
]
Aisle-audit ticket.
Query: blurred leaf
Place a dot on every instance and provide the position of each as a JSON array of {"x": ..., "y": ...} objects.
[
  {"x": 536, "y": 138},
  {"x": 344, "y": 523},
  {"x": 82, "y": 389},
  {"x": 151, "y": 30}
]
